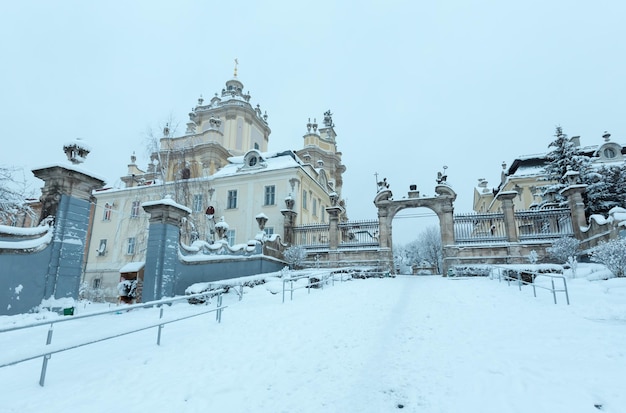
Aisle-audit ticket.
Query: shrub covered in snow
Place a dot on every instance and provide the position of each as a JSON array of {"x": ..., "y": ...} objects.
[
  {"x": 472, "y": 270},
  {"x": 612, "y": 254},
  {"x": 564, "y": 249},
  {"x": 295, "y": 255}
]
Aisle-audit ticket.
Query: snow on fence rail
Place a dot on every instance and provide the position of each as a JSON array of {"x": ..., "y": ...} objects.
[
  {"x": 48, "y": 350},
  {"x": 526, "y": 277}
]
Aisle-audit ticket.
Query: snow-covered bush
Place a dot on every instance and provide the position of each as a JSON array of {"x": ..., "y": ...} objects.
[
  {"x": 563, "y": 249},
  {"x": 294, "y": 256},
  {"x": 612, "y": 254},
  {"x": 533, "y": 257},
  {"x": 127, "y": 288},
  {"x": 87, "y": 292},
  {"x": 472, "y": 270}
]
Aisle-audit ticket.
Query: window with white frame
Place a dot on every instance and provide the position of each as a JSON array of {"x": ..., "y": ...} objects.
[
  {"x": 230, "y": 237},
  {"x": 134, "y": 211},
  {"x": 198, "y": 200},
  {"x": 107, "y": 212},
  {"x": 232, "y": 199},
  {"x": 304, "y": 200},
  {"x": 102, "y": 248},
  {"x": 270, "y": 195},
  {"x": 130, "y": 246},
  {"x": 269, "y": 231}
]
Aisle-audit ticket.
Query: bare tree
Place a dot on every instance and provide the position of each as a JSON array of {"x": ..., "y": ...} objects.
[
  {"x": 426, "y": 248},
  {"x": 13, "y": 194}
]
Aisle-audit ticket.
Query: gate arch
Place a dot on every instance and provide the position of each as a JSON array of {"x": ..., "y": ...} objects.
[{"x": 442, "y": 204}]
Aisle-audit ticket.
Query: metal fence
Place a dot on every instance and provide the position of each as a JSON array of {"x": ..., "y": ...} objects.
[
  {"x": 312, "y": 235},
  {"x": 352, "y": 234},
  {"x": 530, "y": 225},
  {"x": 474, "y": 227},
  {"x": 358, "y": 234},
  {"x": 541, "y": 224}
]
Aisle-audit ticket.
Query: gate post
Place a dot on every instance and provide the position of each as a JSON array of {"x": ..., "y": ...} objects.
[
  {"x": 162, "y": 251},
  {"x": 509, "y": 215}
]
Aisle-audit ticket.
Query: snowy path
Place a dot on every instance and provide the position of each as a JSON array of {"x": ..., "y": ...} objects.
[{"x": 413, "y": 344}]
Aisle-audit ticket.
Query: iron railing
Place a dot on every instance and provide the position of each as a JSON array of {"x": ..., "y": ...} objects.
[
  {"x": 474, "y": 227},
  {"x": 541, "y": 224},
  {"x": 48, "y": 350}
]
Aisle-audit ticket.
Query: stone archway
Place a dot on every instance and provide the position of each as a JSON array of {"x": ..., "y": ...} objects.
[{"x": 442, "y": 204}]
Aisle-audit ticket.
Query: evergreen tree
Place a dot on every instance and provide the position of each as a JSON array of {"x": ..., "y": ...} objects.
[
  {"x": 605, "y": 189},
  {"x": 563, "y": 158}
]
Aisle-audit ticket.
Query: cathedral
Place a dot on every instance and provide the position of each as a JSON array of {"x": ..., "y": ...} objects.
[{"x": 222, "y": 171}]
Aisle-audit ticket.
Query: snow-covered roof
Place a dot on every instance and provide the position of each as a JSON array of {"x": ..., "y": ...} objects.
[{"x": 132, "y": 267}]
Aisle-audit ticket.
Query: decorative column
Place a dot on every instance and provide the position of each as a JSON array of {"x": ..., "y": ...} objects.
[
  {"x": 162, "y": 252},
  {"x": 574, "y": 194},
  {"x": 510, "y": 227},
  {"x": 67, "y": 197},
  {"x": 290, "y": 220}
]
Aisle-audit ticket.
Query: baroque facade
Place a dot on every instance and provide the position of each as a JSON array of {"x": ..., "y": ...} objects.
[
  {"x": 526, "y": 176},
  {"x": 220, "y": 169}
]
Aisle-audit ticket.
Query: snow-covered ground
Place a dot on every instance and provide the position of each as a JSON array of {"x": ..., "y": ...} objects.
[{"x": 415, "y": 344}]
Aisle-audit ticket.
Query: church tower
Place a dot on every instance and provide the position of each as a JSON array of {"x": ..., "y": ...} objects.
[
  {"x": 320, "y": 151},
  {"x": 228, "y": 125}
]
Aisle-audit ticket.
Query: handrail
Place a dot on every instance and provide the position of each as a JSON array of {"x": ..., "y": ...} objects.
[
  {"x": 47, "y": 351},
  {"x": 322, "y": 280},
  {"x": 534, "y": 275}
]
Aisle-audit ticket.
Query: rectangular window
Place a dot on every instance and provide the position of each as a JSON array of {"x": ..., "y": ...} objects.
[
  {"x": 270, "y": 195},
  {"x": 130, "y": 247},
  {"x": 197, "y": 203},
  {"x": 323, "y": 214},
  {"x": 107, "y": 212},
  {"x": 304, "y": 200},
  {"x": 269, "y": 231},
  {"x": 96, "y": 283},
  {"x": 134, "y": 212},
  {"x": 232, "y": 199},
  {"x": 314, "y": 207},
  {"x": 102, "y": 248},
  {"x": 230, "y": 236}
]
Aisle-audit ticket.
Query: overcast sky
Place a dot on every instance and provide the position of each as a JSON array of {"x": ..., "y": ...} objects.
[{"x": 413, "y": 85}]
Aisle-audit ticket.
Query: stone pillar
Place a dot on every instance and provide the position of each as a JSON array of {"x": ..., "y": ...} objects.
[
  {"x": 162, "y": 252},
  {"x": 333, "y": 231},
  {"x": 509, "y": 215},
  {"x": 446, "y": 223},
  {"x": 66, "y": 196},
  {"x": 574, "y": 194},
  {"x": 289, "y": 223}
]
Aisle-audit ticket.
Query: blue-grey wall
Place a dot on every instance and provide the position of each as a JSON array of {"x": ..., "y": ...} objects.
[
  {"x": 53, "y": 272},
  {"x": 226, "y": 269},
  {"x": 165, "y": 275},
  {"x": 22, "y": 280}
]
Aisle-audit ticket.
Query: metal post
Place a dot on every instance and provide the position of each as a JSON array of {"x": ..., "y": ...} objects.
[
  {"x": 291, "y": 286},
  {"x": 519, "y": 280},
  {"x": 44, "y": 366},
  {"x": 566, "y": 293},
  {"x": 240, "y": 291},
  {"x": 218, "y": 313},
  {"x": 284, "y": 290},
  {"x": 534, "y": 289},
  {"x": 553, "y": 292},
  {"x": 160, "y": 327}
]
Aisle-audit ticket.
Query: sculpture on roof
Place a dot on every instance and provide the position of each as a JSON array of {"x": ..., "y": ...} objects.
[{"x": 328, "y": 119}]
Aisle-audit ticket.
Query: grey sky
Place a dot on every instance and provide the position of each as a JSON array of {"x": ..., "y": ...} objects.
[{"x": 413, "y": 85}]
